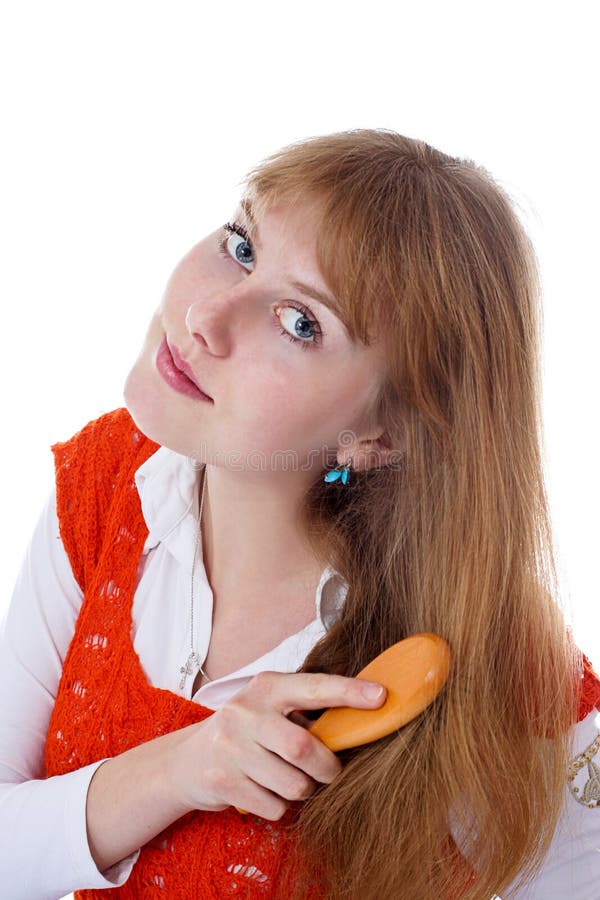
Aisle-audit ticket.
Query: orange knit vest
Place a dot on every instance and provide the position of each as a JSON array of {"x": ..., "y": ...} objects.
[{"x": 105, "y": 704}]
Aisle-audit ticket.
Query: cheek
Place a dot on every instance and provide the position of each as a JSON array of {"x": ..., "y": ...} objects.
[
  {"x": 282, "y": 409},
  {"x": 142, "y": 367}
]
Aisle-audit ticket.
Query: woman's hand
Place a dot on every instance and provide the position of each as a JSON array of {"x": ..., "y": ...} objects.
[{"x": 250, "y": 755}]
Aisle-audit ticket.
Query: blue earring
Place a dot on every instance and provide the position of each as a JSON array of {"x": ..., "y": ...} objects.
[{"x": 340, "y": 472}]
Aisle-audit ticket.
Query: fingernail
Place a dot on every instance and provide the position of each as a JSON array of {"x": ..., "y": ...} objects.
[{"x": 372, "y": 691}]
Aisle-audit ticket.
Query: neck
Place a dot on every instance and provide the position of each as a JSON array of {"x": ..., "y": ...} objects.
[{"x": 252, "y": 539}]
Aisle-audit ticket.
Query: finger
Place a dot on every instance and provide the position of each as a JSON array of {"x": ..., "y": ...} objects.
[
  {"x": 296, "y": 746},
  {"x": 270, "y": 771},
  {"x": 287, "y": 691},
  {"x": 254, "y": 798}
]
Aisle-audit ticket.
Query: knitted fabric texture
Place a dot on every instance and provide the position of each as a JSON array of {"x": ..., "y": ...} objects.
[
  {"x": 105, "y": 704},
  {"x": 589, "y": 697}
]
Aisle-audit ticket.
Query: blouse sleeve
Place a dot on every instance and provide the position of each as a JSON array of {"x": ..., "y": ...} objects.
[
  {"x": 571, "y": 869},
  {"x": 44, "y": 852}
]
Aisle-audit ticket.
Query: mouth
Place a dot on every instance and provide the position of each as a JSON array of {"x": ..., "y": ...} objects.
[{"x": 178, "y": 371}]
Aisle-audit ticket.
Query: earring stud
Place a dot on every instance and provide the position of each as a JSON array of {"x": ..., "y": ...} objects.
[{"x": 340, "y": 473}]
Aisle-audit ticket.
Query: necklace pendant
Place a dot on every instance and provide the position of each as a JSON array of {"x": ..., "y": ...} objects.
[{"x": 192, "y": 664}]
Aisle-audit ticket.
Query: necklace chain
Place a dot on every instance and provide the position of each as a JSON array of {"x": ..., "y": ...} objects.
[{"x": 193, "y": 660}]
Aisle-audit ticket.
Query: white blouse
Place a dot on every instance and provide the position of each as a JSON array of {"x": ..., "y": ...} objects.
[{"x": 48, "y": 855}]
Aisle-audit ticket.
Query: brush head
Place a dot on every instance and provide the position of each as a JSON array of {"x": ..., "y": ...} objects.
[{"x": 413, "y": 670}]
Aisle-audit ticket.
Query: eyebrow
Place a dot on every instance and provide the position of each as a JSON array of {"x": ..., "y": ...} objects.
[{"x": 308, "y": 289}]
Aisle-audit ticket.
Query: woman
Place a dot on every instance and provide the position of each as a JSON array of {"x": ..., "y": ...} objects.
[{"x": 198, "y": 539}]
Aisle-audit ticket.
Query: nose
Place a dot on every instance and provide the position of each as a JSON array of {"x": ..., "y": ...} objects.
[
  {"x": 193, "y": 325},
  {"x": 208, "y": 322},
  {"x": 214, "y": 320}
]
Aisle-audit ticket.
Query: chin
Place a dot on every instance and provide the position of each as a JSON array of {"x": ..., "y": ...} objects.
[{"x": 150, "y": 412}]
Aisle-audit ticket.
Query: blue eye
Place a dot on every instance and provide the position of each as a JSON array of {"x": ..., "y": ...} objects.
[
  {"x": 296, "y": 320},
  {"x": 236, "y": 245}
]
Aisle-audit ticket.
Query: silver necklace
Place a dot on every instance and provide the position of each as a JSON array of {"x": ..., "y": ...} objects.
[{"x": 193, "y": 661}]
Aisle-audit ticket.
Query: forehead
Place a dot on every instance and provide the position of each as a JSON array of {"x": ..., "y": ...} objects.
[{"x": 298, "y": 219}]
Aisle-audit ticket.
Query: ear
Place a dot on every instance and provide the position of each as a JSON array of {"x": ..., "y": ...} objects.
[{"x": 373, "y": 451}]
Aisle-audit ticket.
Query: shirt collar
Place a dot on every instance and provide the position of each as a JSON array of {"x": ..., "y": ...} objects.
[{"x": 168, "y": 487}]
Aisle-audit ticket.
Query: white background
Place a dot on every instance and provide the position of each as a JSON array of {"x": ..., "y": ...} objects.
[{"x": 127, "y": 127}]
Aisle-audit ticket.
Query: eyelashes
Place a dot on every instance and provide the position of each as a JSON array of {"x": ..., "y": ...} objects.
[
  {"x": 222, "y": 245},
  {"x": 238, "y": 228}
]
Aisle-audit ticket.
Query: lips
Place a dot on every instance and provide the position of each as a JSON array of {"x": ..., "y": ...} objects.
[{"x": 184, "y": 367}]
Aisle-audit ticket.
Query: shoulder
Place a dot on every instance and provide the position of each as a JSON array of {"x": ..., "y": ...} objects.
[
  {"x": 111, "y": 436},
  {"x": 589, "y": 696},
  {"x": 92, "y": 469},
  {"x": 104, "y": 448}
]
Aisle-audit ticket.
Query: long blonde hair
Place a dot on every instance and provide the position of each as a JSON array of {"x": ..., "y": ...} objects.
[{"x": 425, "y": 253}]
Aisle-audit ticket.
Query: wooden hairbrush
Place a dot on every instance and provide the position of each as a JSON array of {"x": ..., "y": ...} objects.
[{"x": 413, "y": 670}]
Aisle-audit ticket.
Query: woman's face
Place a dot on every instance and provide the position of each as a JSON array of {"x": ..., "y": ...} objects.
[{"x": 284, "y": 377}]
